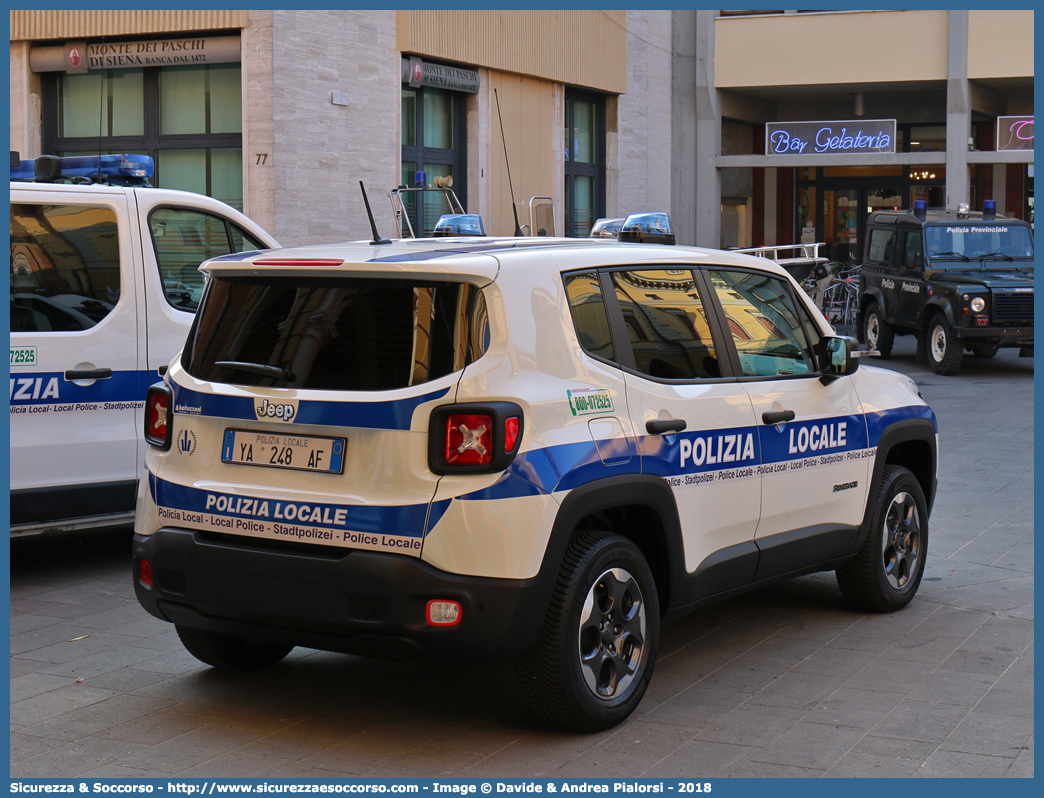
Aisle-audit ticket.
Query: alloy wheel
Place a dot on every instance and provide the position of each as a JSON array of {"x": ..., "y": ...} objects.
[
  {"x": 612, "y": 634},
  {"x": 901, "y": 541}
]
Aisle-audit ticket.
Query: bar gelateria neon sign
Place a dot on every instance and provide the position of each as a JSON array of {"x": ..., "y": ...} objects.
[{"x": 860, "y": 135}]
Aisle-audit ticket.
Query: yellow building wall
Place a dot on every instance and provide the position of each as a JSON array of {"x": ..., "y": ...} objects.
[
  {"x": 528, "y": 108},
  {"x": 584, "y": 48},
  {"x": 851, "y": 47},
  {"x": 1000, "y": 44},
  {"x": 80, "y": 24},
  {"x": 25, "y": 103}
]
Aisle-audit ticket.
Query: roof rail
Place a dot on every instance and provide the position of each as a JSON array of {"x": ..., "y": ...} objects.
[
  {"x": 799, "y": 253},
  {"x": 401, "y": 195}
]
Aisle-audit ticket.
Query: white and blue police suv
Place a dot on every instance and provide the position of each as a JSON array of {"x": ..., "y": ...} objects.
[{"x": 527, "y": 449}]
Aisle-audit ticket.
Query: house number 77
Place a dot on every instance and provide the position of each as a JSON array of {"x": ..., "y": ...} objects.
[{"x": 262, "y": 157}]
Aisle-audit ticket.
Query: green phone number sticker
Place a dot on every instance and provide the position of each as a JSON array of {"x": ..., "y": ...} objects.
[
  {"x": 585, "y": 401},
  {"x": 23, "y": 356}
]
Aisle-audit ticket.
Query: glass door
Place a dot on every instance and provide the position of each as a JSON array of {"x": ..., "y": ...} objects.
[
  {"x": 883, "y": 199},
  {"x": 833, "y": 202},
  {"x": 584, "y": 162},
  {"x": 844, "y": 217},
  {"x": 433, "y": 150},
  {"x": 840, "y": 224}
]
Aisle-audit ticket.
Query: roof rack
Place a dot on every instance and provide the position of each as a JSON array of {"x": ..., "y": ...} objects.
[
  {"x": 801, "y": 259},
  {"x": 402, "y": 194}
]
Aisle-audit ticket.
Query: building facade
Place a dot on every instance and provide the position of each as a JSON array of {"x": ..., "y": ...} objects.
[
  {"x": 282, "y": 113},
  {"x": 752, "y": 128},
  {"x": 823, "y": 117}
]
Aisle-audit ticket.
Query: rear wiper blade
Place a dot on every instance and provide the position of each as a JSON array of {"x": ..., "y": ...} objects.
[{"x": 260, "y": 369}]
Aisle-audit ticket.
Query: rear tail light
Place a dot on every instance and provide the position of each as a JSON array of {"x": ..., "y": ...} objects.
[
  {"x": 511, "y": 427},
  {"x": 474, "y": 438},
  {"x": 469, "y": 439},
  {"x": 145, "y": 572},
  {"x": 159, "y": 413},
  {"x": 443, "y": 612}
]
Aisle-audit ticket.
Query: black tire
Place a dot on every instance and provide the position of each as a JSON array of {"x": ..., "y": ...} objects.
[
  {"x": 877, "y": 333},
  {"x": 583, "y": 673},
  {"x": 886, "y": 572},
  {"x": 229, "y": 652},
  {"x": 984, "y": 350},
  {"x": 945, "y": 352}
]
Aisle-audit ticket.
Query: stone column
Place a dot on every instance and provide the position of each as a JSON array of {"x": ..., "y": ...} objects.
[
  {"x": 683, "y": 127},
  {"x": 259, "y": 147},
  {"x": 958, "y": 112},
  {"x": 26, "y": 104},
  {"x": 708, "y": 136}
]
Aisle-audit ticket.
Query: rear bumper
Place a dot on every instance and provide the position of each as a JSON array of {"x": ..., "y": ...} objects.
[{"x": 356, "y": 602}]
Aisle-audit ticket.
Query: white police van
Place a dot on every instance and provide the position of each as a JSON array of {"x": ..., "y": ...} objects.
[
  {"x": 528, "y": 449},
  {"x": 104, "y": 285}
]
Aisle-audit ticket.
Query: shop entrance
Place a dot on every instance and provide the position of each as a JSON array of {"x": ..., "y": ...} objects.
[{"x": 834, "y": 202}]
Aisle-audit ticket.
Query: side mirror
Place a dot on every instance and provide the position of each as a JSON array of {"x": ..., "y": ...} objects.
[
  {"x": 838, "y": 357},
  {"x": 913, "y": 260}
]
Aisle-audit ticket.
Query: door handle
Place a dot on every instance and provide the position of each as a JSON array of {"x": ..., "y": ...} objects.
[
  {"x": 777, "y": 416},
  {"x": 88, "y": 374},
  {"x": 658, "y": 426}
]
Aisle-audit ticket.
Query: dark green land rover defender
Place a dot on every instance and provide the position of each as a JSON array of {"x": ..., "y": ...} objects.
[{"x": 957, "y": 280}]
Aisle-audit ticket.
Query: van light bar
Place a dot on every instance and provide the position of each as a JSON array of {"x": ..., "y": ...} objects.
[
  {"x": 120, "y": 170},
  {"x": 299, "y": 262},
  {"x": 459, "y": 224},
  {"x": 647, "y": 228}
]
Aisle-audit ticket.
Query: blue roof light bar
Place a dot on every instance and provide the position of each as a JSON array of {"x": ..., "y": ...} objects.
[{"x": 118, "y": 170}]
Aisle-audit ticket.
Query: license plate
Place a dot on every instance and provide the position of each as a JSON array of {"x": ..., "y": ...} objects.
[{"x": 295, "y": 452}]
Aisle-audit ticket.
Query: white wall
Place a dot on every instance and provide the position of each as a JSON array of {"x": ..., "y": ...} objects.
[
  {"x": 322, "y": 150},
  {"x": 643, "y": 136}
]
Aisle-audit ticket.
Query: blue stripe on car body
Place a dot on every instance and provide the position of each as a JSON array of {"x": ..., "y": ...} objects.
[
  {"x": 408, "y": 520},
  {"x": 880, "y": 420},
  {"x": 388, "y": 415},
  {"x": 543, "y": 471},
  {"x": 122, "y": 386},
  {"x": 566, "y": 466}
]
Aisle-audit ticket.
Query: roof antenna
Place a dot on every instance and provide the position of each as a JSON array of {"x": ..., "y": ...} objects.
[
  {"x": 373, "y": 225},
  {"x": 514, "y": 210}
]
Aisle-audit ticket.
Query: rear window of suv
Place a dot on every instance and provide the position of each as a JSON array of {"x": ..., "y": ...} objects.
[{"x": 335, "y": 334}]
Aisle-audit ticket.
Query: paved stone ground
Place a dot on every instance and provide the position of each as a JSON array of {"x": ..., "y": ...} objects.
[{"x": 784, "y": 682}]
